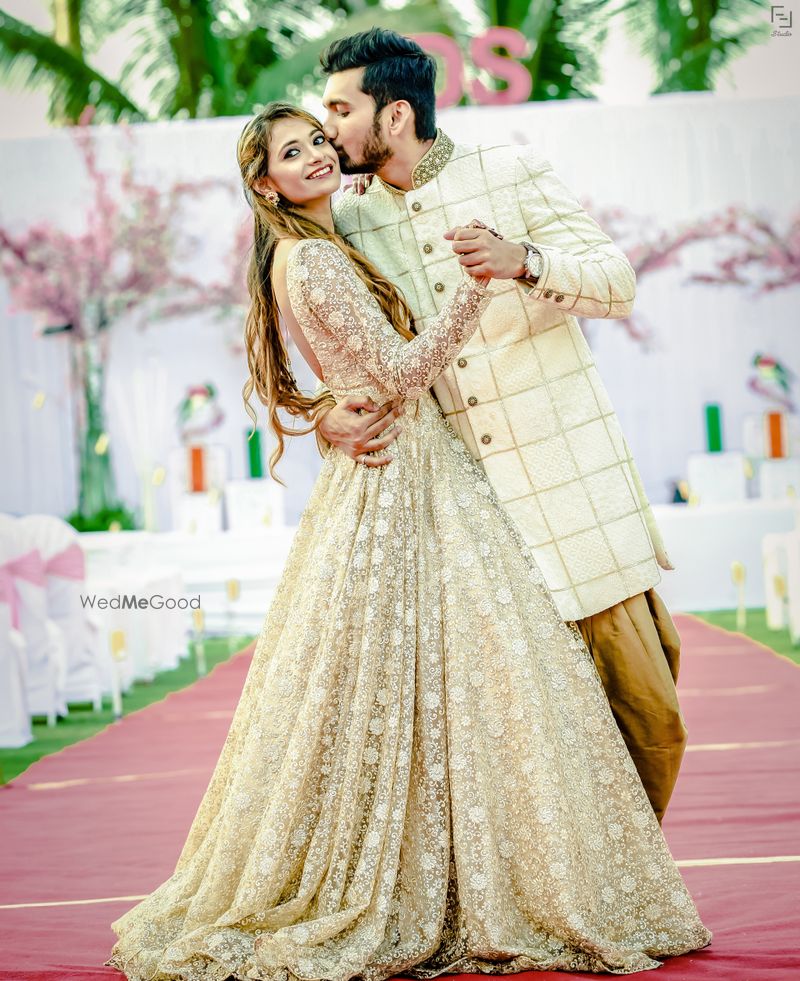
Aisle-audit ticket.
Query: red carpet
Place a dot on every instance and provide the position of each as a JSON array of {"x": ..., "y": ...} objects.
[{"x": 87, "y": 831}]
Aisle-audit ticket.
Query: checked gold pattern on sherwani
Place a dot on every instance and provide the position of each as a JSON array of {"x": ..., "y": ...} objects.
[{"x": 527, "y": 399}]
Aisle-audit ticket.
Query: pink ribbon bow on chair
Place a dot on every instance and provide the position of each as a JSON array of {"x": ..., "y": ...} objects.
[
  {"x": 70, "y": 563},
  {"x": 29, "y": 567}
]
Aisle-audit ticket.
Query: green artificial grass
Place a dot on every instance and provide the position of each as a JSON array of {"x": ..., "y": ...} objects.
[
  {"x": 756, "y": 629},
  {"x": 83, "y": 721}
]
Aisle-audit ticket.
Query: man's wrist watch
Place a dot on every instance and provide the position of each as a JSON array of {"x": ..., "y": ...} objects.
[{"x": 534, "y": 263}]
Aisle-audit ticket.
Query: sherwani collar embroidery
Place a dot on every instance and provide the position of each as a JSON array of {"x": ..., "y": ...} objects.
[{"x": 431, "y": 164}]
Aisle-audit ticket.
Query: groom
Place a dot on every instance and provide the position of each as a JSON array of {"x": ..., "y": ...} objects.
[{"x": 525, "y": 395}]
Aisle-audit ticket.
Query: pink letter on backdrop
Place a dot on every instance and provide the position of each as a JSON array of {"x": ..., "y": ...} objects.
[
  {"x": 448, "y": 50},
  {"x": 515, "y": 75}
]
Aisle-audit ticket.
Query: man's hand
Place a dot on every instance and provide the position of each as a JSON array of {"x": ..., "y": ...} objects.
[
  {"x": 482, "y": 253},
  {"x": 356, "y": 433}
]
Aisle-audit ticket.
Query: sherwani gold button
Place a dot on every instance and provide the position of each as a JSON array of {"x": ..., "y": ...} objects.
[
  {"x": 462, "y": 362},
  {"x": 486, "y": 439},
  {"x": 559, "y": 298},
  {"x": 427, "y": 248},
  {"x": 439, "y": 287},
  {"x": 416, "y": 206},
  {"x": 548, "y": 293},
  {"x": 472, "y": 400}
]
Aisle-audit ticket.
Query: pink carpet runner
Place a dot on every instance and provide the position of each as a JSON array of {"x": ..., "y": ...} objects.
[{"x": 88, "y": 830}]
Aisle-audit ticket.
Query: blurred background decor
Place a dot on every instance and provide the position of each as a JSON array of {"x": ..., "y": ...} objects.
[
  {"x": 196, "y": 60},
  {"x": 78, "y": 284}
]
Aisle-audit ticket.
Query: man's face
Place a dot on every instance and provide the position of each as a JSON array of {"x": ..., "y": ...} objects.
[{"x": 352, "y": 125}]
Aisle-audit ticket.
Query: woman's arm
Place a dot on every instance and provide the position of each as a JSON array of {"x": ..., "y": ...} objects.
[{"x": 322, "y": 280}]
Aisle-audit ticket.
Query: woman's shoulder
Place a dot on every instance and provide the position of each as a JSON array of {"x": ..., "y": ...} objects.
[
  {"x": 312, "y": 246},
  {"x": 288, "y": 251},
  {"x": 306, "y": 252}
]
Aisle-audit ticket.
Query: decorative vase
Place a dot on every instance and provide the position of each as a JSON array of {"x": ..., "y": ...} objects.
[{"x": 99, "y": 509}]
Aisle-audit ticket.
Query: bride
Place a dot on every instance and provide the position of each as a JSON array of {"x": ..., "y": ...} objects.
[{"x": 422, "y": 775}]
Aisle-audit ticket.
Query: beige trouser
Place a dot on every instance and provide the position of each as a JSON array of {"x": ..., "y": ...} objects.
[{"x": 636, "y": 649}]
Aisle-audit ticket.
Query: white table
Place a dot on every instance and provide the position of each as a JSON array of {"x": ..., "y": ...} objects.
[
  {"x": 206, "y": 562},
  {"x": 703, "y": 541}
]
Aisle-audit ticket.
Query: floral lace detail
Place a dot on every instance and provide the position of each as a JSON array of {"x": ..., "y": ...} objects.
[
  {"x": 422, "y": 775},
  {"x": 351, "y": 337}
]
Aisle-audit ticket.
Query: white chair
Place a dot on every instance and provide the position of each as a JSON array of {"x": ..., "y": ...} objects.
[
  {"x": 167, "y": 629},
  {"x": 15, "y": 723},
  {"x": 65, "y": 572},
  {"x": 44, "y": 643}
]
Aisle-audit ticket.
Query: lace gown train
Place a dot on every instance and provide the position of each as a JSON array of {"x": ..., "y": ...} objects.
[{"x": 422, "y": 775}]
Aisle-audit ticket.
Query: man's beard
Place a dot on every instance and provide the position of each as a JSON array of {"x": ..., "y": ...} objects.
[{"x": 374, "y": 153}]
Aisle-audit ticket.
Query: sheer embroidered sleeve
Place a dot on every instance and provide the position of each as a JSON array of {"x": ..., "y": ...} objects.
[{"x": 339, "y": 314}]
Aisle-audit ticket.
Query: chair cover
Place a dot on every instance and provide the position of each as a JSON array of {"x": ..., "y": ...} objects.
[
  {"x": 25, "y": 589},
  {"x": 15, "y": 723},
  {"x": 65, "y": 578}
]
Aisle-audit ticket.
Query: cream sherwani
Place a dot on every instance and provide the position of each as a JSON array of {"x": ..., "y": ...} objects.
[{"x": 525, "y": 395}]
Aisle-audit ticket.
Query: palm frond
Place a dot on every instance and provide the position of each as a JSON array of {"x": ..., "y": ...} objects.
[
  {"x": 30, "y": 59},
  {"x": 565, "y": 37},
  {"x": 568, "y": 59},
  {"x": 688, "y": 45}
]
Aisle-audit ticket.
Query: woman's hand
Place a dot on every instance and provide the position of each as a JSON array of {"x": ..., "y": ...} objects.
[{"x": 361, "y": 182}]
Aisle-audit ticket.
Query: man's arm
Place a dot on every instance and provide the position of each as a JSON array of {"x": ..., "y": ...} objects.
[
  {"x": 356, "y": 425},
  {"x": 582, "y": 270},
  {"x": 357, "y": 432}
]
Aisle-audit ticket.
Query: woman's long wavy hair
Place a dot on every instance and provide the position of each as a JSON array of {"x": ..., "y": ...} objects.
[{"x": 268, "y": 362}]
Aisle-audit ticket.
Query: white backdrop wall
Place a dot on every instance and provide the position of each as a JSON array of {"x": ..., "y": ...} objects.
[{"x": 674, "y": 159}]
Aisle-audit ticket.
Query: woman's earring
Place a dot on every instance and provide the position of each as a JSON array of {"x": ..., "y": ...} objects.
[{"x": 271, "y": 196}]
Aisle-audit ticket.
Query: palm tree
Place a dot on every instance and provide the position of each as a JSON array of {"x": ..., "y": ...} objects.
[
  {"x": 31, "y": 59},
  {"x": 217, "y": 57},
  {"x": 201, "y": 58},
  {"x": 690, "y": 42},
  {"x": 564, "y": 37}
]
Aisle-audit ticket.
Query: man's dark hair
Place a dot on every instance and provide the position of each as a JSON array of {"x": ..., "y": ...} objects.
[{"x": 395, "y": 67}]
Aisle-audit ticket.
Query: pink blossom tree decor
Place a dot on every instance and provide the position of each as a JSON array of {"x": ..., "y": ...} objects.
[
  {"x": 79, "y": 283},
  {"x": 762, "y": 257}
]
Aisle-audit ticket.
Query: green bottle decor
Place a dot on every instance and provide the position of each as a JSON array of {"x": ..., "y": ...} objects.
[
  {"x": 255, "y": 456},
  {"x": 713, "y": 428}
]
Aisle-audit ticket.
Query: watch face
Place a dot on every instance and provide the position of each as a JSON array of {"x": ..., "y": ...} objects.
[{"x": 533, "y": 262}]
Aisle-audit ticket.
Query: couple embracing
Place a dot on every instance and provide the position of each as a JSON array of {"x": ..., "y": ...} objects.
[{"x": 459, "y": 731}]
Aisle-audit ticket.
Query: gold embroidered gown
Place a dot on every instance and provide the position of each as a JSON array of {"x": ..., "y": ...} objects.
[{"x": 422, "y": 775}]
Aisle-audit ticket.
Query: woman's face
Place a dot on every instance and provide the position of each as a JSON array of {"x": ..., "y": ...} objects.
[{"x": 302, "y": 164}]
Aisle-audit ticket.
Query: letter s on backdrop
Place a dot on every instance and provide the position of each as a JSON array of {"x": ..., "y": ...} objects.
[{"x": 517, "y": 76}]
